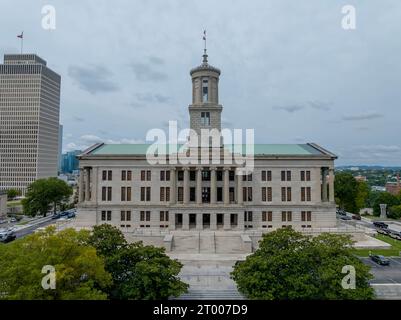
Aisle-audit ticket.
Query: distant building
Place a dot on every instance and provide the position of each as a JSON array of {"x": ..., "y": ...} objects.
[
  {"x": 378, "y": 188},
  {"x": 60, "y": 148},
  {"x": 3, "y": 204},
  {"x": 70, "y": 161},
  {"x": 361, "y": 178},
  {"x": 394, "y": 187},
  {"x": 29, "y": 121}
]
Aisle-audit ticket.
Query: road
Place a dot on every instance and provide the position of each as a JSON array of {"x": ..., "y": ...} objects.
[
  {"x": 23, "y": 232},
  {"x": 387, "y": 279}
]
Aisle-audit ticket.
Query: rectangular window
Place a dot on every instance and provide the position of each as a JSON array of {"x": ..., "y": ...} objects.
[
  {"x": 161, "y": 193},
  {"x": 128, "y": 193},
  {"x": 283, "y": 194},
  {"x": 110, "y": 175},
  {"x": 248, "y": 216},
  {"x": 269, "y": 175},
  {"x": 103, "y": 216},
  {"x": 288, "y": 193},
  {"x": 122, "y": 215},
  {"x": 283, "y": 216},
  {"x": 263, "y": 193},
  {"x": 308, "y": 194},
  {"x": 142, "y": 216},
  {"x": 192, "y": 175},
  {"x": 303, "y": 215},
  {"x": 308, "y": 175},
  {"x": 129, "y": 175},
  {"x": 128, "y": 215},
  {"x": 205, "y": 118},
  {"x": 219, "y": 175},
  {"x": 142, "y": 193},
  {"x": 147, "y": 215},
  {"x": 180, "y": 194},
  {"x": 107, "y": 175},
  {"x": 104, "y": 193},
  {"x": 147, "y": 193},
  {"x": 205, "y": 175},
  {"x": 123, "y": 175},
  {"x": 104, "y": 175},
  {"x": 148, "y": 175},
  {"x": 263, "y": 175},
  {"x": 219, "y": 194},
  {"x": 283, "y": 175},
  {"x": 167, "y": 193},
  {"x": 269, "y": 194},
  {"x": 244, "y": 189},
  {"x": 232, "y": 194},
  {"x": 288, "y": 175},
  {"x": 180, "y": 175},
  {"x": 161, "y": 215},
  {"x": 168, "y": 175},
  {"x": 143, "y": 173},
  {"x": 192, "y": 194},
  {"x": 162, "y": 175},
  {"x": 123, "y": 194},
  {"x": 308, "y": 216},
  {"x": 205, "y": 90},
  {"x": 231, "y": 175},
  {"x": 249, "y": 193},
  {"x": 269, "y": 216},
  {"x": 108, "y": 215},
  {"x": 302, "y": 175},
  {"x": 302, "y": 193},
  {"x": 108, "y": 194},
  {"x": 250, "y": 177},
  {"x": 289, "y": 216},
  {"x": 264, "y": 216}
]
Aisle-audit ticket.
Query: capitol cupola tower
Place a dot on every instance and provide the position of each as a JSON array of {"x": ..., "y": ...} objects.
[{"x": 205, "y": 110}]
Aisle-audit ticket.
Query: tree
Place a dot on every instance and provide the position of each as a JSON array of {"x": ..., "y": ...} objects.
[
  {"x": 138, "y": 271},
  {"x": 395, "y": 212},
  {"x": 290, "y": 265},
  {"x": 362, "y": 195},
  {"x": 346, "y": 191},
  {"x": 44, "y": 194},
  {"x": 13, "y": 193},
  {"x": 79, "y": 272}
]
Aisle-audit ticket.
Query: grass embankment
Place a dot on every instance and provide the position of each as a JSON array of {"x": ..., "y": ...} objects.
[
  {"x": 393, "y": 251},
  {"x": 14, "y": 203}
]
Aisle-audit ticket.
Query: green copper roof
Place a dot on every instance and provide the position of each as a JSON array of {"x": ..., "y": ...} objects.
[{"x": 259, "y": 149}]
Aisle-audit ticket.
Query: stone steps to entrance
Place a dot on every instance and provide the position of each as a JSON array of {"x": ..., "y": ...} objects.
[{"x": 198, "y": 294}]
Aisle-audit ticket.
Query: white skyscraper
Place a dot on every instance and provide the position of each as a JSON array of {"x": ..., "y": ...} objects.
[{"x": 29, "y": 121}]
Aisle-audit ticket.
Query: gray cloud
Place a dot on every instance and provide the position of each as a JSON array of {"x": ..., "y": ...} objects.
[
  {"x": 78, "y": 119},
  {"x": 156, "y": 60},
  {"x": 152, "y": 97},
  {"x": 146, "y": 71},
  {"x": 319, "y": 105},
  {"x": 289, "y": 108},
  {"x": 363, "y": 116},
  {"x": 93, "y": 79}
]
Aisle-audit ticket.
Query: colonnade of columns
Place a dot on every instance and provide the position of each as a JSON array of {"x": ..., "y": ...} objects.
[{"x": 197, "y": 221}]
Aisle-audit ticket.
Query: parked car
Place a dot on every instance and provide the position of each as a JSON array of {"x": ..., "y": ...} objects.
[
  {"x": 345, "y": 218},
  {"x": 341, "y": 212},
  {"x": 356, "y": 217},
  {"x": 7, "y": 236},
  {"x": 56, "y": 216},
  {"x": 379, "y": 224},
  {"x": 383, "y": 231},
  {"x": 3, "y": 221},
  {"x": 380, "y": 260},
  {"x": 12, "y": 220},
  {"x": 395, "y": 235},
  {"x": 71, "y": 214}
]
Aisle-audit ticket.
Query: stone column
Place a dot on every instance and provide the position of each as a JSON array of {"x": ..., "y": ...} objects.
[
  {"x": 199, "y": 185},
  {"x": 239, "y": 188},
  {"x": 226, "y": 193},
  {"x": 324, "y": 185},
  {"x": 383, "y": 210},
  {"x": 331, "y": 185},
  {"x": 186, "y": 185},
  {"x": 185, "y": 221},
  {"x": 213, "y": 187},
  {"x": 87, "y": 184},
  {"x": 227, "y": 225},
  {"x": 199, "y": 221},
  {"x": 213, "y": 221},
  {"x": 173, "y": 177},
  {"x": 95, "y": 186},
  {"x": 240, "y": 219},
  {"x": 171, "y": 221},
  {"x": 81, "y": 185}
]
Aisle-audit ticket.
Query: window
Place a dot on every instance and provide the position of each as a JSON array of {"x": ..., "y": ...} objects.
[
  {"x": 180, "y": 194},
  {"x": 161, "y": 193},
  {"x": 192, "y": 194},
  {"x": 263, "y": 175},
  {"x": 305, "y": 175},
  {"x": 286, "y": 216},
  {"x": 232, "y": 194},
  {"x": 306, "y": 216},
  {"x": 302, "y": 175},
  {"x": 167, "y": 193},
  {"x": 106, "y": 193},
  {"x": 144, "y": 216},
  {"x": 205, "y": 118},
  {"x": 162, "y": 175},
  {"x": 288, "y": 193},
  {"x": 205, "y": 175},
  {"x": 269, "y": 194},
  {"x": 106, "y": 216},
  {"x": 143, "y": 173},
  {"x": 285, "y": 175},
  {"x": 264, "y": 194},
  {"x": 205, "y": 90},
  {"x": 247, "y": 193},
  {"x": 180, "y": 175},
  {"x": 269, "y": 175},
  {"x": 219, "y": 175},
  {"x": 306, "y": 194},
  {"x": 107, "y": 175},
  {"x": 126, "y": 175},
  {"x": 163, "y": 215},
  {"x": 308, "y": 175},
  {"x": 283, "y": 194},
  {"x": 248, "y": 216},
  {"x": 192, "y": 175},
  {"x": 266, "y": 175},
  {"x": 145, "y": 193},
  {"x": 125, "y": 193},
  {"x": 129, "y": 175},
  {"x": 168, "y": 175},
  {"x": 231, "y": 175},
  {"x": 219, "y": 194},
  {"x": 148, "y": 175},
  {"x": 302, "y": 193},
  {"x": 125, "y": 215},
  {"x": 267, "y": 216}
]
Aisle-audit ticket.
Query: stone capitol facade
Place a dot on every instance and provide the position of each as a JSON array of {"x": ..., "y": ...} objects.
[{"x": 290, "y": 186}]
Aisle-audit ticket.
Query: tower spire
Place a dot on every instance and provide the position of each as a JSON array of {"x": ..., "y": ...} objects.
[{"x": 204, "y": 50}]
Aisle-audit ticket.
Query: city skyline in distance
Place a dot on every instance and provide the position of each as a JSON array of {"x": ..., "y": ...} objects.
[{"x": 302, "y": 76}]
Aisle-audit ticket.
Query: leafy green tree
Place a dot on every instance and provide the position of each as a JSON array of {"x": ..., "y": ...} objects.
[
  {"x": 362, "y": 196},
  {"x": 43, "y": 194},
  {"x": 395, "y": 212},
  {"x": 139, "y": 272},
  {"x": 13, "y": 193},
  {"x": 346, "y": 191},
  {"x": 80, "y": 273},
  {"x": 290, "y": 265}
]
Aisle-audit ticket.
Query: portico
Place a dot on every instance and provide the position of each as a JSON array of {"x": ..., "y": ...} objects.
[{"x": 207, "y": 221}]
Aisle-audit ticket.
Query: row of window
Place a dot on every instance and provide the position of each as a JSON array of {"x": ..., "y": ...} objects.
[
  {"x": 267, "y": 216},
  {"x": 266, "y": 175},
  {"x": 267, "y": 194}
]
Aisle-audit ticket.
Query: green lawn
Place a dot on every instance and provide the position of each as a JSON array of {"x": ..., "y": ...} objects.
[
  {"x": 393, "y": 251},
  {"x": 13, "y": 203}
]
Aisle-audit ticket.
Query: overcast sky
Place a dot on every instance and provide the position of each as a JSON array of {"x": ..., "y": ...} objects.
[{"x": 289, "y": 70}]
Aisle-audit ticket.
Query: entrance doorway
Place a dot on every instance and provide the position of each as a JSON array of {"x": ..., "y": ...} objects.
[
  {"x": 206, "y": 220},
  {"x": 178, "y": 220},
  {"x": 220, "y": 220},
  {"x": 234, "y": 220},
  {"x": 192, "y": 221}
]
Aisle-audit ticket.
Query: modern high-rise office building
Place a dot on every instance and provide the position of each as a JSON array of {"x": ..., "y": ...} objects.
[{"x": 29, "y": 121}]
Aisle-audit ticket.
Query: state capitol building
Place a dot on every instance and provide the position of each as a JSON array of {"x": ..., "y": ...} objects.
[{"x": 291, "y": 185}]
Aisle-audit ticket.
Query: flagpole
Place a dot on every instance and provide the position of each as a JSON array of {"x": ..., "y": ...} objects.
[{"x": 22, "y": 41}]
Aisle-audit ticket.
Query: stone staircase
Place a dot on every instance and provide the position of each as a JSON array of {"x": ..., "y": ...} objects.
[
  {"x": 207, "y": 243},
  {"x": 229, "y": 244},
  {"x": 185, "y": 243},
  {"x": 198, "y": 294}
]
